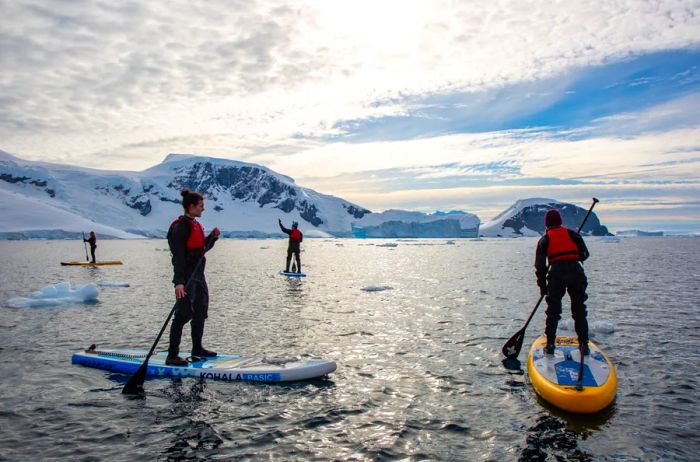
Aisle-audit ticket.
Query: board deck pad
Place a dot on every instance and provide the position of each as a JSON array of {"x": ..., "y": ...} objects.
[
  {"x": 229, "y": 367},
  {"x": 562, "y": 367}
]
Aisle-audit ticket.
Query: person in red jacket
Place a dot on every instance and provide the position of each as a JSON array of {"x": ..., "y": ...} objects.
[
  {"x": 188, "y": 246},
  {"x": 563, "y": 249},
  {"x": 294, "y": 248}
]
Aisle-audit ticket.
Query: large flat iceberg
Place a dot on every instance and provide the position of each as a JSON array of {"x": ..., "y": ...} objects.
[{"x": 403, "y": 224}]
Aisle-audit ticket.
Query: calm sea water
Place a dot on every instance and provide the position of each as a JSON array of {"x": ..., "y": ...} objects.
[{"x": 419, "y": 373}]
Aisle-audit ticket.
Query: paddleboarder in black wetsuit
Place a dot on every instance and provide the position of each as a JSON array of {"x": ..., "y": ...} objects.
[
  {"x": 563, "y": 248},
  {"x": 92, "y": 240},
  {"x": 188, "y": 245},
  {"x": 295, "y": 238}
]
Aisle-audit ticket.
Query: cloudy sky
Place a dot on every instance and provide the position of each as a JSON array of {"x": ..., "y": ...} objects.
[{"x": 421, "y": 105}]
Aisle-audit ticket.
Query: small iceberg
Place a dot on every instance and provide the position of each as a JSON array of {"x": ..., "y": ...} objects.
[
  {"x": 598, "y": 327},
  {"x": 388, "y": 244},
  {"x": 113, "y": 284},
  {"x": 57, "y": 295},
  {"x": 376, "y": 288}
]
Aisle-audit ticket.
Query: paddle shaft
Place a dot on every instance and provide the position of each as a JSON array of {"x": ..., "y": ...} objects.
[
  {"x": 85, "y": 245},
  {"x": 512, "y": 347},
  {"x": 135, "y": 384}
]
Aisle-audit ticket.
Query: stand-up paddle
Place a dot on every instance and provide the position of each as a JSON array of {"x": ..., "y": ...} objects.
[
  {"x": 85, "y": 244},
  {"x": 512, "y": 347},
  {"x": 135, "y": 384}
]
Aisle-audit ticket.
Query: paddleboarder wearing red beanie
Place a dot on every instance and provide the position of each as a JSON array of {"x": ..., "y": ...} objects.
[{"x": 562, "y": 249}]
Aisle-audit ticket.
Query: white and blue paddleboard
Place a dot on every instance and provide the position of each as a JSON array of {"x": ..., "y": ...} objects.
[
  {"x": 231, "y": 368},
  {"x": 293, "y": 275}
]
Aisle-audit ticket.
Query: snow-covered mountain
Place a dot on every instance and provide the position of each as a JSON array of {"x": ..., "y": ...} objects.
[
  {"x": 43, "y": 200},
  {"x": 526, "y": 218},
  {"x": 51, "y": 200}
]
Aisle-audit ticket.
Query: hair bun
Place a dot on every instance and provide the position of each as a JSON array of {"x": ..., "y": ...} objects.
[{"x": 185, "y": 192}]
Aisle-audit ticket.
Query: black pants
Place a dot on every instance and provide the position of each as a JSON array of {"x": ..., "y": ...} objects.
[
  {"x": 566, "y": 276},
  {"x": 92, "y": 251},
  {"x": 193, "y": 308},
  {"x": 295, "y": 252}
]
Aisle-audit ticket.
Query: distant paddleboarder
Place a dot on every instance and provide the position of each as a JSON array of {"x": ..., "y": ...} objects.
[
  {"x": 92, "y": 240},
  {"x": 188, "y": 245},
  {"x": 295, "y": 238},
  {"x": 563, "y": 249}
]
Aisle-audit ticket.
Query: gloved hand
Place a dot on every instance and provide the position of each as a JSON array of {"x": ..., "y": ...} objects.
[{"x": 543, "y": 290}]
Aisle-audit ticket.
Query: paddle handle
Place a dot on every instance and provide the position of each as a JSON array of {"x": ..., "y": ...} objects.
[{"x": 595, "y": 201}]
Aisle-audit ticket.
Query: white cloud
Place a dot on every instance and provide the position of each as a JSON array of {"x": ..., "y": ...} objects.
[{"x": 252, "y": 74}]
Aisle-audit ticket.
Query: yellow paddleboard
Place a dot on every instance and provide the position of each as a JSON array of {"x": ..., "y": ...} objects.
[
  {"x": 555, "y": 377},
  {"x": 87, "y": 263}
]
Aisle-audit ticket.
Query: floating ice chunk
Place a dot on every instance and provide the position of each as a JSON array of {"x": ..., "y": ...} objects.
[
  {"x": 376, "y": 288},
  {"x": 55, "y": 295},
  {"x": 388, "y": 244},
  {"x": 602, "y": 327},
  {"x": 598, "y": 327},
  {"x": 113, "y": 284}
]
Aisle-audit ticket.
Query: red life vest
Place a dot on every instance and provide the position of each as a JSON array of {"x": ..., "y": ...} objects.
[
  {"x": 196, "y": 241},
  {"x": 561, "y": 247},
  {"x": 295, "y": 235}
]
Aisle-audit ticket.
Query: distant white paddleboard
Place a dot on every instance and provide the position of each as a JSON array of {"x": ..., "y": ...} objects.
[{"x": 227, "y": 367}]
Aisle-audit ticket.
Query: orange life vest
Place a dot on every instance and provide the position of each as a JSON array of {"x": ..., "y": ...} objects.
[
  {"x": 196, "y": 241},
  {"x": 295, "y": 235},
  {"x": 561, "y": 247}
]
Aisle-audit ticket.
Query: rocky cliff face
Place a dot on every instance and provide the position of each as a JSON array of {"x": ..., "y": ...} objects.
[
  {"x": 248, "y": 183},
  {"x": 532, "y": 217},
  {"x": 526, "y": 218}
]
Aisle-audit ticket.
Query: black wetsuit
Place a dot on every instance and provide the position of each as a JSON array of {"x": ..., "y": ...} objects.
[
  {"x": 195, "y": 305},
  {"x": 293, "y": 248},
  {"x": 92, "y": 240},
  {"x": 563, "y": 276}
]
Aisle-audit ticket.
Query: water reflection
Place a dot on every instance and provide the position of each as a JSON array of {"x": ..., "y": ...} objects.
[
  {"x": 294, "y": 289},
  {"x": 549, "y": 435},
  {"x": 190, "y": 437}
]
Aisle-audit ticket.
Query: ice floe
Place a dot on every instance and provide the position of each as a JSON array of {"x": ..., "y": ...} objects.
[{"x": 56, "y": 295}]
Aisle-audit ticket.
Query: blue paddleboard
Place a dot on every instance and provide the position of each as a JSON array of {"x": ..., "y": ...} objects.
[
  {"x": 255, "y": 368},
  {"x": 293, "y": 275}
]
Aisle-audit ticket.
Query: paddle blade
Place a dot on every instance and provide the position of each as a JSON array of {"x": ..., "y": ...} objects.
[
  {"x": 511, "y": 349},
  {"x": 135, "y": 384}
]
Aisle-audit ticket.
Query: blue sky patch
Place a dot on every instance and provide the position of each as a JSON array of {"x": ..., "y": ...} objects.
[{"x": 573, "y": 100}]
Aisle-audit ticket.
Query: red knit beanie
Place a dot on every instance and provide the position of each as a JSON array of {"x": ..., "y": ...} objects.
[{"x": 552, "y": 218}]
